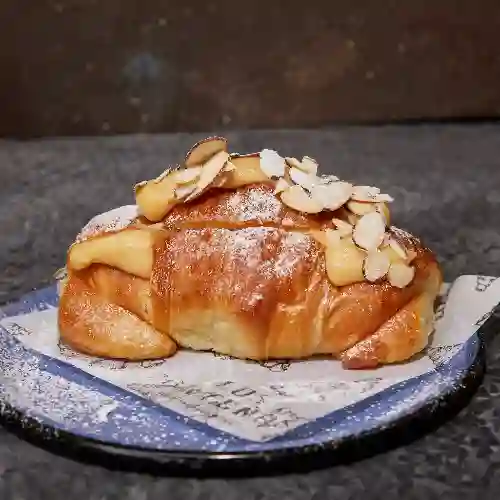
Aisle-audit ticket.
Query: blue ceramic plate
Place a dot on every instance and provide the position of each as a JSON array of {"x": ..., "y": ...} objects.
[{"x": 45, "y": 398}]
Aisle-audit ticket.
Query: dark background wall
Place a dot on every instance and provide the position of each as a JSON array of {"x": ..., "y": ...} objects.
[{"x": 80, "y": 67}]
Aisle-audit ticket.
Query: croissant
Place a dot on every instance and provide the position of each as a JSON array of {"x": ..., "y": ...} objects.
[{"x": 257, "y": 257}]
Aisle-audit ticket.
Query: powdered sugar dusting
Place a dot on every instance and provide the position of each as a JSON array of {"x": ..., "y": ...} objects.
[
  {"x": 114, "y": 220},
  {"x": 28, "y": 388},
  {"x": 256, "y": 204}
]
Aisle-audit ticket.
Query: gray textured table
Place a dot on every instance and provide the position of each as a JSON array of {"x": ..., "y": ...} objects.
[{"x": 446, "y": 181}]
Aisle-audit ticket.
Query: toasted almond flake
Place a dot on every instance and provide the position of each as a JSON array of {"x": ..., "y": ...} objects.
[
  {"x": 328, "y": 179},
  {"x": 187, "y": 175},
  {"x": 343, "y": 227},
  {"x": 332, "y": 196},
  {"x": 397, "y": 248},
  {"x": 162, "y": 176},
  {"x": 271, "y": 163},
  {"x": 364, "y": 193},
  {"x": 332, "y": 237},
  {"x": 352, "y": 218},
  {"x": 293, "y": 162},
  {"x": 209, "y": 173},
  {"x": 140, "y": 185},
  {"x": 307, "y": 181},
  {"x": 376, "y": 266},
  {"x": 281, "y": 185},
  {"x": 361, "y": 207},
  {"x": 203, "y": 150},
  {"x": 369, "y": 231},
  {"x": 383, "y": 198},
  {"x": 309, "y": 165},
  {"x": 182, "y": 192},
  {"x": 400, "y": 274},
  {"x": 296, "y": 197}
]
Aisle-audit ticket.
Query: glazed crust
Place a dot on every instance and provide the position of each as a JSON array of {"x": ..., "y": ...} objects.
[{"x": 239, "y": 273}]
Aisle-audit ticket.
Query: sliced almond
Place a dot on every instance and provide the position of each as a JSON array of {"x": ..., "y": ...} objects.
[
  {"x": 140, "y": 185},
  {"x": 376, "y": 266},
  {"x": 328, "y": 179},
  {"x": 187, "y": 175},
  {"x": 361, "y": 207},
  {"x": 343, "y": 227},
  {"x": 332, "y": 196},
  {"x": 369, "y": 231},
  {"x": 398, "y": 249},
  {"x": 364, "y": 193},
  {"x": 162, "y": 176},
  {"x": 352, "y": 218},
  {"x": 383, "y": 198},
  {"x": 344, "y": 263},
  {"x": 400, "y": 274},
  {"x": 307, "y": 181},
  {"x": 296, "y": 197},
  {"x": 184, "y": 191},
  {"x": 281, "y": 186},
  {"x": 203, "y": 150},
  {"x": 209, "y": 174},
  {"x": 309, "y": 165},
  {"x": 272, "y": 164},
  {"x": 293, "y": 162}
]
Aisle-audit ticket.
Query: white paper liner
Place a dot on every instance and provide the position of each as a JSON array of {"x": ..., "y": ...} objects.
[{"x": 260, "y": 401}]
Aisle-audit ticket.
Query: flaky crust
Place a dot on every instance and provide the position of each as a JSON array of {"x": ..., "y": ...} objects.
[{"x": 239, "y": 273}]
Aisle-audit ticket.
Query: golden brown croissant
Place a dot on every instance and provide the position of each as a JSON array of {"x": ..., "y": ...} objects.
[{"x": 256, "y": 257}]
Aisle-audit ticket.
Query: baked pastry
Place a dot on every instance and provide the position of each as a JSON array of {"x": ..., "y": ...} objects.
[{"x": 254, "y": 256}]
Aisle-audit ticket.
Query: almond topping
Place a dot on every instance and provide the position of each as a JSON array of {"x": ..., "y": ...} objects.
[
  {"x": 361, "y": 207},
  {"x": 328, "y": 179},
  {"x": 398, "y": 249},
  {"x": 209, "y": 173},
  {"x": 332, "y": 196},
  {"x": 187, "y": 175},
  {"x": 309, "y": 165},
  {"x": 202, "y": 151},
  {"x": 162, "y": 176},
  {"x": 369, "y": 231},
  {"x": 343, "y": 227},
  {"x": 376, "y": 266},
  {"x": 384, "y": 198},
  {"x": 281, "y": 186},
  {"x": 307, "y": 181},
  {"x": 364, "y": 193},
  {"x": 293, "y": 162},
  {"x": 184, "y": 191},
  {"x": 400, "y": 274},
  {"x": 271, "y": 163},
  {"x": 297, "y": 198}
]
